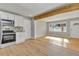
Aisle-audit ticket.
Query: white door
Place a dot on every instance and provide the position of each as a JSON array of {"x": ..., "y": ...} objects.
[{"x": 74, "y": 29}]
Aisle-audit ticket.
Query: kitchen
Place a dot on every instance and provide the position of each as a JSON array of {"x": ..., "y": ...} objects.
[{"x": 14, "y": 29}]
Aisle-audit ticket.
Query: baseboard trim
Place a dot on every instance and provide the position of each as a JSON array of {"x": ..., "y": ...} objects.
[
  {"x": 40, "y": 37},
  {"x": 74, "y": 38}
]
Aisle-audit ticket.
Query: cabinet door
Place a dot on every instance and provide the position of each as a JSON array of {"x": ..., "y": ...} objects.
[
  {"x": 19, "y": 35},
  {"x": 17, "y": 24},
  {"x": 16, "y": 20},
  {"x": 3, "y": 15},
  {"x": 10, "y": 16},
  {"x": 22, "y": 23}
]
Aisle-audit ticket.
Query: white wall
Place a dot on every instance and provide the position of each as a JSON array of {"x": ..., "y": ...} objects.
[
  {"x": 27, "y": 27},
  {"x": 40, "y": 28},
  {"x": 74, "y": 29},
  {"x": 65, "y": 16}
]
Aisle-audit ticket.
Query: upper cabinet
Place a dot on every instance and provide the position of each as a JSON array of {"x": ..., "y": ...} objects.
[
  {"x": 10, "y": 16},
  {"x": 18, "y": 20},
  {"x": 3, "y": 15}
]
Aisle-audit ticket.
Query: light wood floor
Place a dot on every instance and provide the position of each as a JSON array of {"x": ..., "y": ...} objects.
[{"x": 43, "y": 47}]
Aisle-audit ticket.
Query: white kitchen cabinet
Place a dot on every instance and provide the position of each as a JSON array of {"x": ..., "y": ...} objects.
[
  {"x": 3, "y": 15},
  {"x": 16, "y": 20},
  {"x": 26, "y": 24},
  {"x": 19, "y": 35},
  {"x": 10, "y": 16},
  {"x": 19, "y": 21}
]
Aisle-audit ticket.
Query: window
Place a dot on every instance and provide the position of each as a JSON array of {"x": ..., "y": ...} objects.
[{"x": 58, "y": 27}]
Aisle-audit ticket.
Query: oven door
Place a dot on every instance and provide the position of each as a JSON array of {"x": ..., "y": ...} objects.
[{"x": 7, "y": 38}]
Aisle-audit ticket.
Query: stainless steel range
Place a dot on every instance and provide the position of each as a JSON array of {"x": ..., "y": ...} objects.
[{"x": 8, "y": 31}]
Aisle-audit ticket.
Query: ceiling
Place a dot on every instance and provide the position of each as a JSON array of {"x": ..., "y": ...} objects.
[{"x": 29, "y": 9}]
